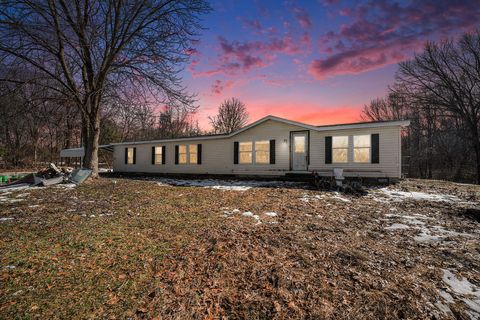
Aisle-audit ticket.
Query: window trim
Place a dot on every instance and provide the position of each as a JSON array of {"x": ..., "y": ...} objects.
[
  {"x": 180, "y": 153},
  {"x": 155, "y": 154},
  {"x": 128, "y": 156},
  {"x": 254, "y": 159},
  {"x": 251, "y": 152},
  {"x": 190, "y": 153},
  {"x": 341, "y": 148},
  {"x": 369, "y": 160}
]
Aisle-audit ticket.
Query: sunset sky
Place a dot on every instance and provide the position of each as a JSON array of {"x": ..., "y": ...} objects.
[{"x": 316, "y": 61}]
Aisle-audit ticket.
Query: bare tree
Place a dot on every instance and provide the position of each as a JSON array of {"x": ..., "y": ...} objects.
[
  {"x": 90, "y": 48},
  {"x": 232, "y": 115},
  {"x": 446, "y": 76}
]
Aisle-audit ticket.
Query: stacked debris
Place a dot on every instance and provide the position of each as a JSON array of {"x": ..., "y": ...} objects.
[{"x": 50, "y": 176}]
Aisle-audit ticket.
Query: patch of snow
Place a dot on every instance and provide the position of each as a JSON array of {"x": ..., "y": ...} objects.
[
  {"x": 21, "y": 195},
  {"x": 254, "y": 216},
  {"x": 443, "y": 307},
  {"x": 66, "y": 185},
  {"x": 10, "y": 200},
  {"x": 9, "y": 267},
  {"x": 398, "y": 196},
  {"x": 6, "y": 219},
  {"x": 271, "y": 214},
  {"x": 426, "y": 236},
  {"x": 226, "y": 185},
  {"x": 460, "y": 286},
  {"x": 397, "y": 226},
  {"x": 468, "y": 292},
  {"x": 447, "y": 296},
  {"x": 13, "y": 188},
  {"x": 337, "y": 195}
]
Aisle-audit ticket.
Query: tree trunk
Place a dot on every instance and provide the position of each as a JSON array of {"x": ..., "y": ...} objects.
[
  {"x": 477, "y": 159},
  {"x": 91, "y": 137}
]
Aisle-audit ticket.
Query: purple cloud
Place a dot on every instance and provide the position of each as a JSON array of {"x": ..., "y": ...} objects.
[{"x": 384, "y": 32}]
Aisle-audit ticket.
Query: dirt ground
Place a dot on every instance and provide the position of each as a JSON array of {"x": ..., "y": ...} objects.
[{"x": 172, "y": 249}]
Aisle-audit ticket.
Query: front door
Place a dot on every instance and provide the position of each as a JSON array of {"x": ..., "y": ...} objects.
[{"x": 299, "y": 151}]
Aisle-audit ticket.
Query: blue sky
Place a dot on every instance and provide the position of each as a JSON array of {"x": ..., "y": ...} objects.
[{"x": 313, "y": 61}]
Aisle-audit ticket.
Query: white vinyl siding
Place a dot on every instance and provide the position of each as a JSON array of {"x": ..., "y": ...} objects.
[{"x": 218, "y": 154}]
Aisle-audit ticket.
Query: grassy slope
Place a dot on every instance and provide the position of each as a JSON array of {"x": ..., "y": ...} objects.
[{"x": 135, "y": 249}]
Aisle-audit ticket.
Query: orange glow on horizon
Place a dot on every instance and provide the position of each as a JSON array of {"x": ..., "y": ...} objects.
[{"x": 303, "y": 112}]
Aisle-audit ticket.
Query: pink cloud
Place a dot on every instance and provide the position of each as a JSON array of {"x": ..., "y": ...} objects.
[
  {"x": 219, "y": 85},
  {"x": 302, "y": 17},
  {"x": 236, "y": 57}
]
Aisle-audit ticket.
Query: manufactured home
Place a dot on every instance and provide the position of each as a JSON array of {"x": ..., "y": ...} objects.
[{"x": 272, "y": 146}]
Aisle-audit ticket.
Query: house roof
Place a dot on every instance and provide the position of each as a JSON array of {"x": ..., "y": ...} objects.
[{"x": 356, "y": 125}]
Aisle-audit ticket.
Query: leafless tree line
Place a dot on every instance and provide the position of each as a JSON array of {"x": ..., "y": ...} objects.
[
  {"x": 439, "y": 91},
  {"x": 91, "y": 51},
  {"x": 36, "y": 124}
]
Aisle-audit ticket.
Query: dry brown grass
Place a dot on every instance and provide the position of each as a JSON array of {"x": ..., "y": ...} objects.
[{"x": 135, "y": 249}]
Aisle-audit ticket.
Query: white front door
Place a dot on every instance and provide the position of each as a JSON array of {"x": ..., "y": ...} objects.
[{"x": 299, "y": 151}]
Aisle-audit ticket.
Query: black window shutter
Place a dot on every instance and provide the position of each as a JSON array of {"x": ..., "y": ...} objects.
[
  {"x": 153, "y": 155},
  {"x": 134, "y": 155},
  {"x": 163, "y": 154},
  {"x": 328, "y": 149},
  {"x": 126, "y": 155},
  {"x": 199, "y": 153},
  {"x": 235, "y": 152},
  {"x": 272, "y": 151},
  {"x": 375, "y": 148},
  {"x": 176, "y": 154}
]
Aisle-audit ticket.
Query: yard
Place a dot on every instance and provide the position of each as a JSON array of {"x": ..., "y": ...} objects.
[{"x": 125, "y": 248}]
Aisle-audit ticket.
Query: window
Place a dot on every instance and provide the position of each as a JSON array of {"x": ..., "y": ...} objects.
[
  {"x": 192, "y": 154},
  {"x": 361, "y": 148},
  {"x": 299, "y": 143},
  {"x": 262, "y": 152},
  {"x": 158, "y": 155},
  {"x": 340, "y": 149},
  {"x": 245, "y": 151},
  {"x": 182, "y": 154},
  {"x": 130, "y": 155}
]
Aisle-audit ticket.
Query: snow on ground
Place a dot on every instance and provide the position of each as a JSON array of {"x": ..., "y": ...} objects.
[
  {"x": 463, "y": 290},
  {"x": 227, "y": 213},
  {"x": 426, "y": 231},
  {"x": 5, "y": 219},
  {"x": 271, "y": 214},
  {"x": 326, "y": 196},
  {"x": 231, "y": 185},
  {"x": 65, "y": 185},
  {"x": 397, "y": 226},
  {"x": 386, "y": 195}
]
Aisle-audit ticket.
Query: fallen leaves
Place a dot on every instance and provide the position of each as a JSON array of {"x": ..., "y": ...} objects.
[{"x": 148, "y": 252}]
